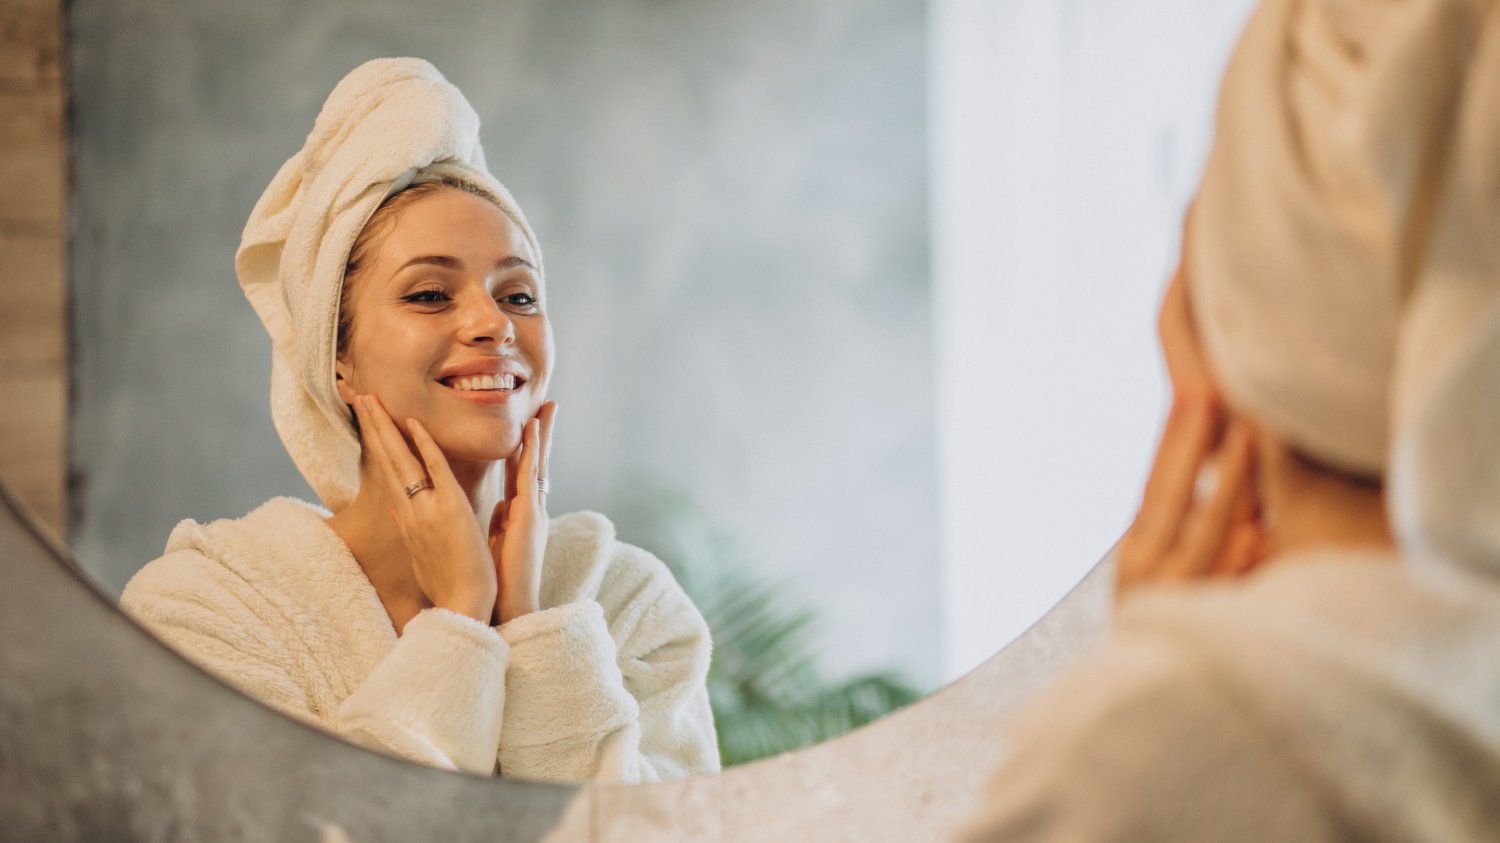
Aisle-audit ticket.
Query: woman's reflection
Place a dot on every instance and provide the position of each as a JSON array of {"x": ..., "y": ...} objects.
[{"x": 427, "y": 616}]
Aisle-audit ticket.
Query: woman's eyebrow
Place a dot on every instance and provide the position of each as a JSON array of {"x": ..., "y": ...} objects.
[
  {"x": 444, "y": 261},
  {"x": 448, "y": 262}
]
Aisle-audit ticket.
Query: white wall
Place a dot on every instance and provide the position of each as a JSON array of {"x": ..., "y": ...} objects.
[{"x": 1067, "y": 137}]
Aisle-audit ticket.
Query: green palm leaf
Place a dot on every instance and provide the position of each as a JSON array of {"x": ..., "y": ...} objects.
[{"x": 765, "y": 684}]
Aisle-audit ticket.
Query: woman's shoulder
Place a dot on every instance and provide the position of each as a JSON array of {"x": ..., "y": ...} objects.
[
  {"x": 586, "y": 538},
  {"x": 1266, "y": 686},
  {"x": 274, "y": 523},
  {"x": 587, "y": 561},
  {"x": 227, "y": 554},
  {"x": 1287, "y": 650},
  {"x": 1091, "y": 756}
]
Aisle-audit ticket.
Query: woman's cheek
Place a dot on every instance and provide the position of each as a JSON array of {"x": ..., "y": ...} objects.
[{"x": 542, "y": 348}]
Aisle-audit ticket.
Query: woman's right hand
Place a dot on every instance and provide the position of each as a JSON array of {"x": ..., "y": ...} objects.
[
  {"x": 449, "y": 553},
  {"x": 1179, "y": 535}
]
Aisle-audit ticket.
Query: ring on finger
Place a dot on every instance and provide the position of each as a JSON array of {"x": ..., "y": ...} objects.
[
  {"x": 541, "y": 485},
  {"x": 1206, "y": 483},
  {"x": 413, "y": 488}
]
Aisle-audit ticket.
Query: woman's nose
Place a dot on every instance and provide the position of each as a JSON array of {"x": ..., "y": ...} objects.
[{"x": 486, "y": 322}]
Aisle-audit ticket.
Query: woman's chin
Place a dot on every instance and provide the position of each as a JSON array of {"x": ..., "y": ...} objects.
[
  {"x": 477, "y": 442},
  {"x": 488, "y": 446},
  {"x": 472, "y": 452}
]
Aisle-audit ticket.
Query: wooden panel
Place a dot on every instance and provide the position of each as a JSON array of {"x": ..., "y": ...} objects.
[
  {"x": 33, "y": 439},
  {"x": 33, "y": 320},
  {"x": 31, "y": 36},
  {"x": 31, "y": 159},
  {"x": 33, "y": 279}
]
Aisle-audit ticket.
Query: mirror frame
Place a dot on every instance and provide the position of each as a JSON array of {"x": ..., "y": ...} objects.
[{"x": 105, "y": 732}]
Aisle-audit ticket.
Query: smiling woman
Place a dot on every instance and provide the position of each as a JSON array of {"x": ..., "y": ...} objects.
[{"x": 425, "y": 613}]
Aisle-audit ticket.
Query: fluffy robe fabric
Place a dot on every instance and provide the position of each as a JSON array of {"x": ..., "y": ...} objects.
[
  {"x": 605, "y": 682},
  {"x": 1330, "y": 698},
  {"x": 388, "y": 124}
]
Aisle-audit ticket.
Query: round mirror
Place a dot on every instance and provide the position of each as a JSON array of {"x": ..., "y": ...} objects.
[{"x": 853, "y": 302}]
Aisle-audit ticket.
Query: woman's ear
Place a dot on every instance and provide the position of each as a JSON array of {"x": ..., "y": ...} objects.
[{"x": 342, "y": 376}]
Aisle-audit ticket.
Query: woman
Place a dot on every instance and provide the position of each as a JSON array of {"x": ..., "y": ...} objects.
[
  {"x": 423, "y": 614},
  {"x": 1307, "y": 650}
]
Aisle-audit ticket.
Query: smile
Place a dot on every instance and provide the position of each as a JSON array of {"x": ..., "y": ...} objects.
[
  {"x": 473, "y": 383},
  {"x": 484, "y": 390}
]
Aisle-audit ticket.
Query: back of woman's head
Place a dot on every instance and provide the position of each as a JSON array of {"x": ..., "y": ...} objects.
[{"x": 1343, "y": 256}]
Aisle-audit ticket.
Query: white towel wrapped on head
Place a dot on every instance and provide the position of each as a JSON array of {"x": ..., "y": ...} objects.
[{"x": 1344, "y": 257}]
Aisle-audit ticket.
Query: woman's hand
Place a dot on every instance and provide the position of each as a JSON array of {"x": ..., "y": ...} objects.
[
  {"x": 1182, "y": 530},
  {"x": 518, "y": 527},
  {"x": 437, "y": 524}
]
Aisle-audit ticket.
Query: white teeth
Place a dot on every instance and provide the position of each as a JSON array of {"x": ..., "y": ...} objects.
[{"x": 505, "y": 381}]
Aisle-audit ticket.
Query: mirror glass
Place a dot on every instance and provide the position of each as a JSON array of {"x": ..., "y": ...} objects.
[{"x": 853, "y": 300}]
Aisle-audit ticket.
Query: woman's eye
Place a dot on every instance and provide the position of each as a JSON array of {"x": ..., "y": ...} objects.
[
  {"x": 426, "y": 297},
  {"x": 519, "y": 300}
]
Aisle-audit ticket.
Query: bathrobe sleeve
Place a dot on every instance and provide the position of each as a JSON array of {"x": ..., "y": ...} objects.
[
  {"x": 1135, "y": 744},
  {"x": 618, "y": 698},
  {"x": 436, "y": 698}
]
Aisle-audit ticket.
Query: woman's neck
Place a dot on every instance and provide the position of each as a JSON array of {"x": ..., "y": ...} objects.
[
  {"x": 1306, "y": 507},
  {"x": 373, "y": 538}
]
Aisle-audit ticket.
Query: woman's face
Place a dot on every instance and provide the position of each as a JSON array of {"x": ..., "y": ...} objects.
[{"x": 449, "y": 326}]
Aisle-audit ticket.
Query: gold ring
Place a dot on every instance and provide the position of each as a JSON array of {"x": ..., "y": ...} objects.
[{"x": 418, "y": 486}]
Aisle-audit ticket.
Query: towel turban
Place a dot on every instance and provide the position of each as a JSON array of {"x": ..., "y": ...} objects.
[
  {"x": 1344, "y": 260},
  {"x": 390, "y": 123}
]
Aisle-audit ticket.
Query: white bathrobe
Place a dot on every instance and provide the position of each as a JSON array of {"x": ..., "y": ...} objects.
[
  {"x": 1331, "y": 697},
  {"x": 605, "y": 682}
]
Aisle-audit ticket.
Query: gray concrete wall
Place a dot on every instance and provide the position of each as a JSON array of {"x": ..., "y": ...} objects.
[{"x": 732, "y": 201}]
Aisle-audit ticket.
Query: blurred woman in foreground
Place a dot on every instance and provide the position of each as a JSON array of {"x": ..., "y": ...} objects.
[{"x": 1306, "y": 649}]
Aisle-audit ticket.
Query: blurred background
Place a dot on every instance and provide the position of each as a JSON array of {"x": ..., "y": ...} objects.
[{"x": 854, "y": 299}]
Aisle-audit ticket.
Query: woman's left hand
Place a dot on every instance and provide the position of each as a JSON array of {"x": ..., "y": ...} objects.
[{"x": 518, "y": 526}]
